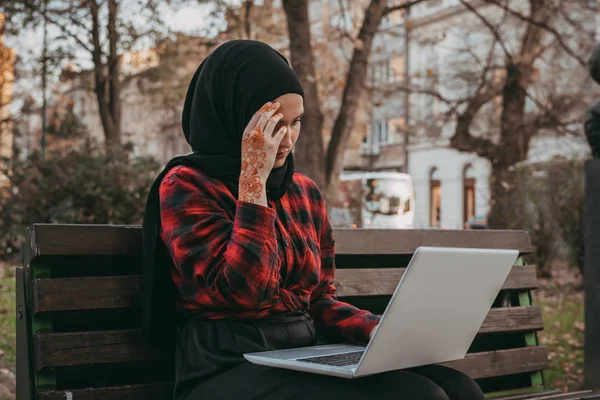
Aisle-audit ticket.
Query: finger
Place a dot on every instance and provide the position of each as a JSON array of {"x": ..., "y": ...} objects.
[
  {"x": 256, "y": 117},
  {"x": 270, "y": 127},
  {"x": 264, "y": 118},
  {"x": 280, "y": 135}
]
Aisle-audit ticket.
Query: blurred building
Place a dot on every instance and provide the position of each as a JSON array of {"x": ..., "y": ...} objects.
[
  {"x": 7, "y": 65},
  {"x": 442, "y": 55},
  {"x": 154, "y": 83},
  {"x": 434, "y": 47}
]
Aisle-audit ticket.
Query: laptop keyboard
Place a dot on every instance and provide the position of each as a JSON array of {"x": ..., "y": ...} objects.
[{"x": 337, "y": 360}]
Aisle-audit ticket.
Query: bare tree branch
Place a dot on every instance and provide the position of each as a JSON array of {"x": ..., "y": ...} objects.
[
  {"x": 32, "y": 6},
  {"x": 462, "y": 139},
  {"x": 493, "y": 29},
  {"x": 402, "y": 6},
  {"x": 540, "y": 24}
]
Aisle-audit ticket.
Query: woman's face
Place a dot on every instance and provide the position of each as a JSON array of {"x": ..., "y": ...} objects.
[{"x": 292, "y": 108}]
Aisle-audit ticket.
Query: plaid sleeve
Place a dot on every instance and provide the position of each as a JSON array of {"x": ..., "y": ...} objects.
[
  {"x": 337, "y": 320},
  {"x": 233, "y": 259}
]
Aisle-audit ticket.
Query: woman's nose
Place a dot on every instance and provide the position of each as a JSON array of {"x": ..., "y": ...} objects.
[{"x": 287, "y": 140}]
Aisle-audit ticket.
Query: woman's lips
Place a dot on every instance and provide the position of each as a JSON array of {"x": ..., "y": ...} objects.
[{"x": 281, "y": 155}]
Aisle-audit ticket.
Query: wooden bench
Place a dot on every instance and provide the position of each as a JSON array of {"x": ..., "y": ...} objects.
[{"x": 78, "y": 326}]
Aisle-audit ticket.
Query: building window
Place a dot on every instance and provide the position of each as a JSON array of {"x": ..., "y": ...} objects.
[
  {"x": 387, "y": 71},
  {"x": 387, "y": 131},
  {"x": 468, "y": 193},
  {"x": 397, "y": 69},
  {"x": 382, "y": 132},
  {"x": 435, "y": 198}
]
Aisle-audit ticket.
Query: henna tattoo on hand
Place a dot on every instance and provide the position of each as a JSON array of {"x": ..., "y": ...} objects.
[{"x": 253, "y": 161}]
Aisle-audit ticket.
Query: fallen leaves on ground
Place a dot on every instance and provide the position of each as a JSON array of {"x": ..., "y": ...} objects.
[{"x": 561, "y": 301}]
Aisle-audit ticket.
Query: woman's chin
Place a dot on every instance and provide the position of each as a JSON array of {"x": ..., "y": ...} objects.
[{"x": 279, "y": 163}]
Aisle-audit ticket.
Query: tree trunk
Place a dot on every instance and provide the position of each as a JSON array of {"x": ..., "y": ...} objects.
[
  {"x": 114, "y": 78},
  {"x": 502, "y": 198},
  {"x": 357, "y": 73},
  {"x": 514, "y": 142},
  {"x": 309, "y": 153},
  {"x": 109, "y": 125}
]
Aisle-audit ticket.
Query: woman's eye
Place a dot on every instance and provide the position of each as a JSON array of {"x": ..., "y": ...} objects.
[{"x": 296, "y": 122}]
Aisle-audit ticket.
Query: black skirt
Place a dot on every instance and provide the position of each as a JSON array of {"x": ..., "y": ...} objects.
[{"x": 209, "y": 364}]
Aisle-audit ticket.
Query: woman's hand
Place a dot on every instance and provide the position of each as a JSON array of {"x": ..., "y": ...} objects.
[{"x": 259, "y": 150}]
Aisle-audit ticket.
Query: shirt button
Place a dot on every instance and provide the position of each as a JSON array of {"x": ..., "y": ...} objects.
[{"x": 286, "y": 242}]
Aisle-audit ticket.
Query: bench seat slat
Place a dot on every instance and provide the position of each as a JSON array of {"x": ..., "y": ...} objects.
[
  {"x": 66, "y": 239},
  {"x": 478, "y": 365},
  {"x": 554, "y": 395},
  {"x": 152, "y": 391},
  {"x": 527, "y": 396},
  {"x": 96, "y": 347},
  {"x": 62, "y": 294},
  {"x": 159, "y": 391}
]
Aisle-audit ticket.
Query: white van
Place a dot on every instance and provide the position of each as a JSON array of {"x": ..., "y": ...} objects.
[{"x": 374, "y": 200}]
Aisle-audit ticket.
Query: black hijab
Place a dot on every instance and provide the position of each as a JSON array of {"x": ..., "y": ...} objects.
[{"x": 228, "y": 87}]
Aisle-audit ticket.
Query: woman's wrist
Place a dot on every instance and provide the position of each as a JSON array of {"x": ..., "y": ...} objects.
[{"x": 253, "y": 189}]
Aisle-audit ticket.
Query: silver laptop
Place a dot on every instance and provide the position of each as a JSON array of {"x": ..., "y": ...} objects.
[{"x": 433, "y": 316}]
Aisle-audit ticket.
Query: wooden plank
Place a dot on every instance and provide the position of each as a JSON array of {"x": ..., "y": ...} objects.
[
  {"x": 581, "y": 395},
  {"x": 527, "y": 396},
  {"x": 552, "y": 395},
  {"x": 159, "y": 391},
  {"x": 116, "y": 240},
  {"x": 68, "y": 349},
  {"x": 406, "y": 241},
  {"x": 97, "y": 347},
  {"x": 512, "y": 319},
  {"x": 93, "y": 347},
  {"x": 502, "y": 362},
  {"x": 383, "y": 281},
  {"x": 151, "y": 391},
  {"x": 67, "y": 239},
  {"x": 62, "y": 294},
  {"x": 591, "y": 275},
  {"x": 521, "y": 277}
]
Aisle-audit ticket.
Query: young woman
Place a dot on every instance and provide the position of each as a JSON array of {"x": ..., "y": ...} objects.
[{"x": 246, "y": 241}]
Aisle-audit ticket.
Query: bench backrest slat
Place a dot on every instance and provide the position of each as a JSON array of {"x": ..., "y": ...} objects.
[
  {"x": 56, "y": 240},
  {"x": 503, "y": 362},
  {"x": 123, "y": 291}
]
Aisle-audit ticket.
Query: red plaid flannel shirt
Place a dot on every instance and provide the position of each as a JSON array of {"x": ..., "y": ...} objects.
[{"x": 235, "y": 259}]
